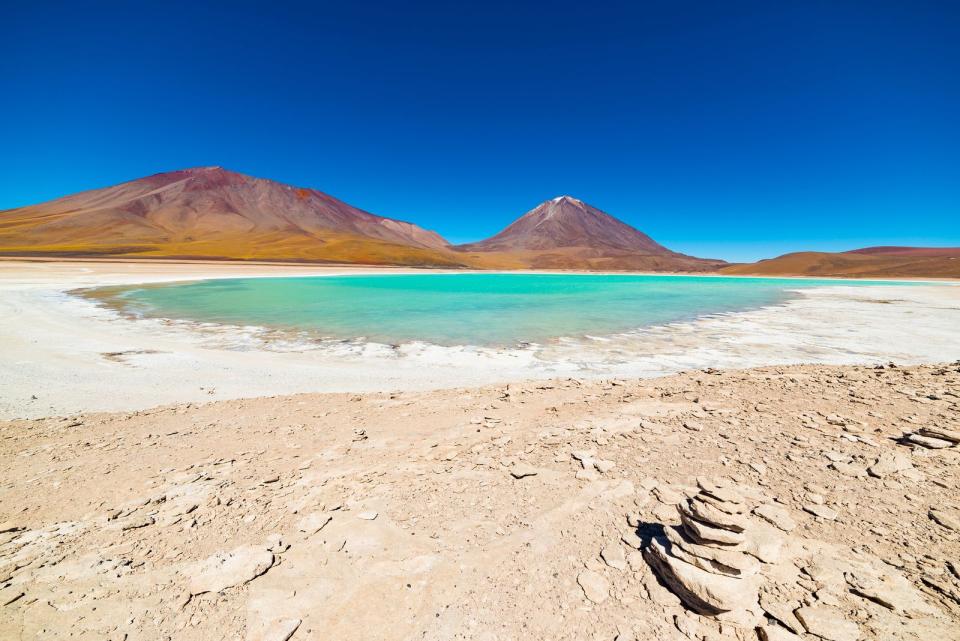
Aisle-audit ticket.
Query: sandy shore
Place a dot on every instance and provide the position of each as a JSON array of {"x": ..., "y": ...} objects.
[
  {"x": 64, "y": 354},
  {"x": 495, "y": 513}
]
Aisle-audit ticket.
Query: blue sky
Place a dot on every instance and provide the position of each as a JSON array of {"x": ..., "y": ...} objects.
[{"x": 737, "y": 130}]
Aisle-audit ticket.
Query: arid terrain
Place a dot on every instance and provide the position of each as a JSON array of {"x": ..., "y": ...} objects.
[
  {"x": 870, "y": 262},
  {"x": 532, "y": 510}
]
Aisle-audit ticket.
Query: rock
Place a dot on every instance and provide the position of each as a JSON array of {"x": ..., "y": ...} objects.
[
  {"x": 719, "y": 560},
  {"x": 720, "y": 490},
  {"x": 759, "y": 468},
  {"x": 604, "y": 466},
  {"x": 594, "y": 586},
  {"x": 702, "y": 532},
  {"x": 773, "y": 632},
  {"x": 929, "y": 442},
  {"x": 820, "y": 511},
  {"x": 782, "y": 611},
  {"x": 134, "y": 522},
  {"x": 828, "y": 623},
  {"x": 522, "y": 470},
  {"x": 947, "y": 520},
  {"x": 892, "y": 591},
  {"x": 279, "y": 630},
  {"x": 228, "y": 569},
  {"x": 889, "y": 464},
  {"x": 710, "y": 513},
  {"x": 764, "y": 542},
  {"x": 613, "y": 556},
  {"x": 587, "y": 475},
  {"x": 776, "y": 515},
  {"x": 725, "y": 506},
  {"x": 9, "y": 526},
  {"x": 941, "y": 433},
  {"x": 849, "y": 469},
  {"x": 667, "y": 495},
  {"x": 313, "y": 523},
  {"x": 368, "y": 516},
  {"x": 701, "y": 591}
]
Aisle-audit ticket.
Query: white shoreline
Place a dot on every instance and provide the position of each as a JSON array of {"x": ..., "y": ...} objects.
[{"x": 54, "y": 344}]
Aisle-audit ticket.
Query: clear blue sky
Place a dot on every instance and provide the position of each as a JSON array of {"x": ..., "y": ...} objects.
[{"x": 731, "y": 129}]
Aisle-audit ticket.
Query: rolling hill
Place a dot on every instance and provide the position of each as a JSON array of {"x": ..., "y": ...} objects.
[{"x": 870, "y": 262}]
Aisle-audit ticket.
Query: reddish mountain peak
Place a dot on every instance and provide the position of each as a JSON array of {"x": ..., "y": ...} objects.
[
  {"x": 566, "y": 221},
  {"x": 213, "y": 202}
]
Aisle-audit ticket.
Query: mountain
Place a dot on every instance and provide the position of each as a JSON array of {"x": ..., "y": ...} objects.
[
  {"x": 869, "y": 262},
  {"x": 210, "y": 212},
  {"x": 567, "y": 233}
]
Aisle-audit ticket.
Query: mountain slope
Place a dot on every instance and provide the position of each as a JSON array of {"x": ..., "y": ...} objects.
[
  {"x": 870, "y": 262},
  {"x": 209, "y": 212},
  {"x": 567, "y": 233}
]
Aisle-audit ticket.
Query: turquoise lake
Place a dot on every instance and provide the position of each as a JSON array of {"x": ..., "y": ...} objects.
[{"x": 458, "y": 309}]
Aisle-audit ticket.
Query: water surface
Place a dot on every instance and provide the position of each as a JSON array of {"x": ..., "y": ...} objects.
[{"x": 459, "y": 309}]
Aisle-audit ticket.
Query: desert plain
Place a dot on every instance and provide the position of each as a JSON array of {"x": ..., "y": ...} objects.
[{"x": 156, "y": 487}]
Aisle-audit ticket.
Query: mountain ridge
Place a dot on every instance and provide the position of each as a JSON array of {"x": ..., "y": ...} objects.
[{"x": 213, "y": 213}]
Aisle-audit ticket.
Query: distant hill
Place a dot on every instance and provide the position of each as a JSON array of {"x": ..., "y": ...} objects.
[
  {"x": 210, "y": 212},
  {"x": 567, "y": 233},
  {"x": 870, "y": 262}
]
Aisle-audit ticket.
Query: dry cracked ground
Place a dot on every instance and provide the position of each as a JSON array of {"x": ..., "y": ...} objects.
[{"x": 565, "y": 510}]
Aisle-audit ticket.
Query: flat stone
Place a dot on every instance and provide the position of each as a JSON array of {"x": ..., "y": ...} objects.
[
  {"x": 941, "y": 433},
  {"x": 594, "y": 586},
  {"x": 724, "y": 506},
  {"x": 929, "y": 442},
  {"x": 667, "y": 495},
  {"x": 889, "y": 464},
  {"x": 368, "y": 516},
  {"x": 711, "y": 514},
  {"x": 720, "y": 490},
  {"x": 701, "y": 591},
  {"x": 776, "y": 515},
  {"x": 947, "y": 520},
  {"x": 314, "y": 522},
  {"x": 764, "y": 542},
  {"x": 522, "y": 470},
  {"x": 849, "y": 469},
  {"x": 613, "y": 556},
  {"x": 775, "y": 633},
  {"x": 228, "y": 569},
  {"x": 828, "y": 623},
  {"x": 279, "y": 630},
  {"x": 702, "y": 532},
  {"x": 604, "y": 466},
  {"x": 821, "y": 511},
  {"x": 716, "y": 559},
  {"x": 782, "y": 611}
]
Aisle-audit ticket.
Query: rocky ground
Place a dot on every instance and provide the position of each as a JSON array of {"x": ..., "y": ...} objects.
[{"x": 777, "y": 503}]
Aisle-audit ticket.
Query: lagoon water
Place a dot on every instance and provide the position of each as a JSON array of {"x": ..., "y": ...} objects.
[{"x": 493, "y": 309}]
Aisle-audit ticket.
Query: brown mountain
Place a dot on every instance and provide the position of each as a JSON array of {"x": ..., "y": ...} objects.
[
  {"x": 567, "y": 233},
  {"x": 870, "y": 262},
  {"x": 209, "y": 212}
]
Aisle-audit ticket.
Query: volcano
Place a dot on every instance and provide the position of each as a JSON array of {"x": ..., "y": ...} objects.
[
  {"x": 567, "y": 233},
  {"x": 213, "y": 213}
]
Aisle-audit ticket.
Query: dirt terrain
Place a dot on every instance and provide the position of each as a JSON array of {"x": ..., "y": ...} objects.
[
  {"x": 825, "y": 501},
  {"x": 870, "y": 262}
]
